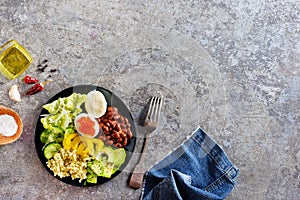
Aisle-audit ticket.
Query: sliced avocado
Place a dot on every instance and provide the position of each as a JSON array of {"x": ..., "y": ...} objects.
[
  {"x": 103, "y": 169},
  {"x": 105, "y": 159},
  {"x": 88, "y": 169},
  {"x": 119, "y": 156},
  {"x": 92, "y": 178},
  {"x": 108, "y": 170},
  {"x": 106, "y": 154},
  {"x": 88, "y": 142},
  {"x": 99, "y": 144},
  {"x": 97, "y": 167}
]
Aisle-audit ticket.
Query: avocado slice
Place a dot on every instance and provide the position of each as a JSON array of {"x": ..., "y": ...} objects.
[
  {"x": 119, "y": 156},
  {"x": 104, "y": 163},
  {"x": 92, "y": 178},
  {"x": 106, "y": 154}
]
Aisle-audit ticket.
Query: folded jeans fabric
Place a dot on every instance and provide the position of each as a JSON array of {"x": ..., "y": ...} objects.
[{"x": 198, "y": 169}]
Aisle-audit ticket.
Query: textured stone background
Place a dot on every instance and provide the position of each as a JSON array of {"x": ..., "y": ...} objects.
[{"x": 231, "y": 67}]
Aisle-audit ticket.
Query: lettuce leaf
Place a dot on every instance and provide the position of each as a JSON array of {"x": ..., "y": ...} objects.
[{"x": 63, "y": 111}]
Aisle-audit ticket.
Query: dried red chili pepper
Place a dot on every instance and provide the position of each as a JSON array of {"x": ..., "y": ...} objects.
[
  {"x": 30, "y": 80},
  {"x": 36, "y": 88}
]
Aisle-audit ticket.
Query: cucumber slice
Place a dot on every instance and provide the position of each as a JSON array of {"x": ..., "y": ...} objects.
[
  {"x": 92, "y": 178},
  {"x": 44, "y": 136},
  {"x": 57, "y": 130},
  {"x": 51, "y": 138},
  {"x": 60, "y": 137},
  {"x": 51, "y": 149},
  {"x": 69, "y": 130}
]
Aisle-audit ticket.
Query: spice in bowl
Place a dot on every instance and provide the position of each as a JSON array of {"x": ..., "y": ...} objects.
[
  {"x": 8, "y": 125},
  {"x": 11, "y": 125}
]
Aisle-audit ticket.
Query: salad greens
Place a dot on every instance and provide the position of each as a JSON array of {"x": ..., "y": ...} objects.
[{"x": 63, "y": 111}]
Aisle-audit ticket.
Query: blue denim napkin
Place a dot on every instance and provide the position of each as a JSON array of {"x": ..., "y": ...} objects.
[{"x": 198, "y": 169}]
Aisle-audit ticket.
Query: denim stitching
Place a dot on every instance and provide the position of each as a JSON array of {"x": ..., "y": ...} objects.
[
  {"x": 221, "y": 180},
  {"x": 214, "y": 185},
  {"x": 217, "y": 162},
  {"x": 210, "y": 149}
]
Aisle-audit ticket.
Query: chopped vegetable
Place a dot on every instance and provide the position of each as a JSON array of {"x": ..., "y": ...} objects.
[
  {"x": 68, "y": 139},
  {"x": 30, "y": 80},
  {"x": 63, "y": 111},
  {"x": 36, "y": 88},
  {"x": 92, "y": 178},
  {"x": 51, "y": 149},
  {"x": 85, "y": 146},
  {"x": 54, "y": 135},
  {"x": 101, "y": 168}
]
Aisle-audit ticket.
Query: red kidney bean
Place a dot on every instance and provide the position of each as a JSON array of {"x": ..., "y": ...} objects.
[
  {"x": 116, "y": 128},
  {"x": 109, "y": 142}
]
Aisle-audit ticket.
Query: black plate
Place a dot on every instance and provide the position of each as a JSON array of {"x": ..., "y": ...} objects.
[{"x": 112, "y": 100}]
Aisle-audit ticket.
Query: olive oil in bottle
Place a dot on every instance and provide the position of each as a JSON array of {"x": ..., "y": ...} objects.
[{"x": 14, "y": 59}]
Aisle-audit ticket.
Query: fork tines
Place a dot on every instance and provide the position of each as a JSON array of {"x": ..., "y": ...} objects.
[{"x": 154, "y": 109}]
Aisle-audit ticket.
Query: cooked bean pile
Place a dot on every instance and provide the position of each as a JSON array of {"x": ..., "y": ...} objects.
[{"x": 115, "y": 128}]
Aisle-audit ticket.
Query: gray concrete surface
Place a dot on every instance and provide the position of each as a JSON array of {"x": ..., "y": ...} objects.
[{"x": 231, "y": 67}]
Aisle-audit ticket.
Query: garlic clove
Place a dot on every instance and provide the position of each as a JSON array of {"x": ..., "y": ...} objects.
[{"x": 14, "y": 93}]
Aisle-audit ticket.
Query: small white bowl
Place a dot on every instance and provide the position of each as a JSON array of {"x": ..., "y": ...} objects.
[{"x": 7, "y": 140}]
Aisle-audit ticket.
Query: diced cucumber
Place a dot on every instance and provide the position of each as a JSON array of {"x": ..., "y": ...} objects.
[
  {"x": 51, "y": 149},
  {"x": 57, "y": 130},
  {"x": 92, "y": 178},
  {"x": 44, "y": 136},
  {"x": 60, "y": 137},
  {"x": 51, "y": 138},
  {"x": 47, "y": 137},
  {"x": 69, "y": 130}
]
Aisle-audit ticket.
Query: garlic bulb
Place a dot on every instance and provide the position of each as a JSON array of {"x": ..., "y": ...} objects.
[{"x": 14, "y": 93}]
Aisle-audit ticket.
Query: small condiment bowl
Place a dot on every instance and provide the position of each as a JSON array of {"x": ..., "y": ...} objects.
[{"x": 7, "y": 140}]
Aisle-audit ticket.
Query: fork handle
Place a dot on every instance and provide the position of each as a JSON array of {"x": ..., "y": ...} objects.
[{"x": 137, "y": 176}]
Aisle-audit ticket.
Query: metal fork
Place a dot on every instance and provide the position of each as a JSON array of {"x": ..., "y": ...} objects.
[{"x": 150, "y": 125}]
